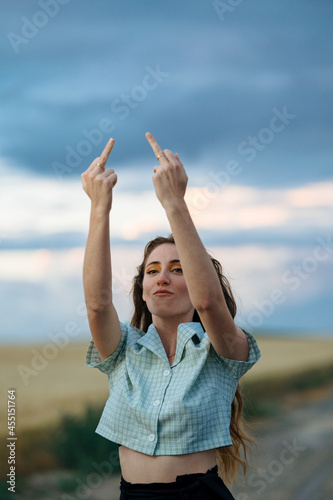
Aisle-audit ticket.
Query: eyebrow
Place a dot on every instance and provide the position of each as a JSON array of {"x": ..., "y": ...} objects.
[{"x": 158, "y": 262}]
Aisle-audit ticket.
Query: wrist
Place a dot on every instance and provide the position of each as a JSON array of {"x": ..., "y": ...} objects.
[
  {"x": 175, "y": 205},
  {"x": 99, "y": 213}
]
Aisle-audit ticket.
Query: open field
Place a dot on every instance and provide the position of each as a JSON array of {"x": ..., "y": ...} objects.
[{"x": 48, "y": 388}]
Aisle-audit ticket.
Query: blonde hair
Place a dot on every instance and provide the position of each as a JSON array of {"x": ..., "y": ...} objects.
[{"x": 228, "y": 459}]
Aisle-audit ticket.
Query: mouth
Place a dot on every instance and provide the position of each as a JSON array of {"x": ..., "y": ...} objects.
[{"x": 162, "y": 293}]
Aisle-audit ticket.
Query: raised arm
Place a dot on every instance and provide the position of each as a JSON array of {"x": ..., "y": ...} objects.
[
  {"x": 203, "y": 284},
  {"x": 104, "y": 324}
]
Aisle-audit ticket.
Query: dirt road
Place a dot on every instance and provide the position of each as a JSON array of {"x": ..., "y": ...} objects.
[{"x": 295, "y": 453}]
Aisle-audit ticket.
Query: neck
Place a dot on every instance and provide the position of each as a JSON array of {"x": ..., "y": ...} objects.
[
  {"x": 167, "y": 326},
  {"x": 167, "y": 330}
]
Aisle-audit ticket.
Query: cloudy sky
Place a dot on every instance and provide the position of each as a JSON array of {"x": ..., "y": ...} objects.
[{"x": 242, "y": 92}]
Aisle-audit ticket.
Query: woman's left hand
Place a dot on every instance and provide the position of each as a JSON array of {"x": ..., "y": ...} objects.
[{"x": 170, "y": 178}]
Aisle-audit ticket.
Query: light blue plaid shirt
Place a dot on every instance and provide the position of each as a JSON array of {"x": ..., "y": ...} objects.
[{"x": 158, "y": 409}]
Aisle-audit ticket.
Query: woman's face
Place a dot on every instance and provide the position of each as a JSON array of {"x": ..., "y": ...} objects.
[{"x": 164, "y": 288}]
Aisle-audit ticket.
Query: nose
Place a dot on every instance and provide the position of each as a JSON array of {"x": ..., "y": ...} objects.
[{"x": 163, "y": 278}]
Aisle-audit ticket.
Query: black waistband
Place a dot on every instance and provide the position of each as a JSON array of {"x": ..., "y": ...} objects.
[
  {"x": 180, "y": 482},
  {"x": 208, "y": 485}
]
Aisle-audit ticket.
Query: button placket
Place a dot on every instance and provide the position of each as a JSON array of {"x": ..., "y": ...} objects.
[{"x": 157, "y": 402}]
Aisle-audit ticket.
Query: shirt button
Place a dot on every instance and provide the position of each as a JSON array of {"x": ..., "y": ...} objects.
[
  {"x": 157, "y": 402},
  {"x": 166, "y": 373},
  {"x": 151, "y": 437}
]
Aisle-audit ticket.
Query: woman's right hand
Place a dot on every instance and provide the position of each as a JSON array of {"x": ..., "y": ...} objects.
[{"x": 98, "y": 183}]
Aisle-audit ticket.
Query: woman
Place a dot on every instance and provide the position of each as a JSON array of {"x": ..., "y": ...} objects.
[{"x": 174, "y": 406}]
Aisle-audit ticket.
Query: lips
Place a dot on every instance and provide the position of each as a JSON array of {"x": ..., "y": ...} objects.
[{"x": 162, "y": 292}]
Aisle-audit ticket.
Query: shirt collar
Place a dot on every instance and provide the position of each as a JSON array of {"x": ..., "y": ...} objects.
[{"x": 185, "y": 331}]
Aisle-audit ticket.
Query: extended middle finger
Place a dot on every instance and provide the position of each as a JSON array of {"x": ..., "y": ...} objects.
[
  {"x": 160, "y": 155},
  {"x": 100, "y": 161},
  {"x": 106, "y": 153},
  {"x": 170, "y": 157}
]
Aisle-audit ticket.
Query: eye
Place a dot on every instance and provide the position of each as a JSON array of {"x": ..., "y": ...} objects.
[
  {"x": 177, "y": 270},
  {"x": 152, "y": 271}
]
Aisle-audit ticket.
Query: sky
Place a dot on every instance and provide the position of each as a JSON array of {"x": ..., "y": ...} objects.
[{"x": 241, "y": 90}]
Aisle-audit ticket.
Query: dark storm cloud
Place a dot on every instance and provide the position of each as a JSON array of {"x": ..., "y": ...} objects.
[{"x": 224, "y": 78}]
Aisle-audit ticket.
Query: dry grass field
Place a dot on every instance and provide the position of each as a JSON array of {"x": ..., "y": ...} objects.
[{"x": 64, "y": 384}]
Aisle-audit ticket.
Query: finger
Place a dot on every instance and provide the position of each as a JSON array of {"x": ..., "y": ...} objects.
[
  {"x": 92, "y": 166},
  {"x": 178, "y": 159},
  {"x": 155, "y": 147},
  {"x": 98, "y": 163},
  {"x": 109, "y": 175},
  {"x": 106, "y": 173},
  {"x": 112, "y": 179},
  {"x": 170, "y": 157},
  {"x": 106, "y": 153},
  {"x": 96, "y": 168}
]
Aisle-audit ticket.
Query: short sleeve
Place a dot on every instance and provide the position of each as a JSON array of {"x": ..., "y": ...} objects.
[
  {"x": 238, "y": 368},
  {"x": 93, "y": 359}
]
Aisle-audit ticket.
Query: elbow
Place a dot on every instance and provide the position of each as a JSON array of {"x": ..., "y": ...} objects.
[
  {"x": 99, "y": 303},
  {"x": 95, "y": 309},
  {"x": 208, "y": 304},
  {"x": 203, "y": 306}
]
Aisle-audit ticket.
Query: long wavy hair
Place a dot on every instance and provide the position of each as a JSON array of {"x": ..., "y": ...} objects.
[{"x": 229, "y": 458}]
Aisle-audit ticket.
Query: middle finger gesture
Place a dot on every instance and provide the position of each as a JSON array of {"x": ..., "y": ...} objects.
[{"x": 169, "y": 178}]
